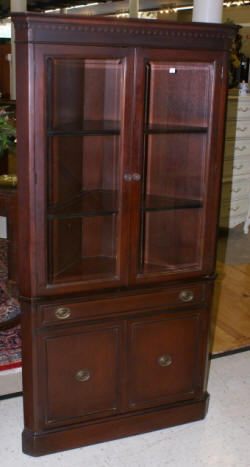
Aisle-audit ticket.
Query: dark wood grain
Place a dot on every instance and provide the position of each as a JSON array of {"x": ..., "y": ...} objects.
[
  {"x": 113, "y": 428},
  {"x": 120, "y": 139}
]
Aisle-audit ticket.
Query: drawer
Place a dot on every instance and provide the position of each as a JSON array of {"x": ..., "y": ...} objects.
[
  {"x": 236, "y": 189},
  {"x": 66, "y": 311},
  {"x": 238, "y": 110},
  {"x": 236, "y": 148},
  {"x": 236, "y": 167},
  {"x": 81, "y": 373},
  {"x": 241, "y": 166},
  {"x": 237, "y": 129},
  {"x": 236, "y": 220},
  {"x": 234, "y": 209},
  {"x": 165, "y": 354}
]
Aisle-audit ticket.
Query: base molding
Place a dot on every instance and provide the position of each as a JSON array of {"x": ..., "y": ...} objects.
[{"x": 50, "y": 441}]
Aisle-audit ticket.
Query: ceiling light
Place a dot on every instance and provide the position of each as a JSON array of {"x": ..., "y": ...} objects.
[{"x": 82, "y": 6}]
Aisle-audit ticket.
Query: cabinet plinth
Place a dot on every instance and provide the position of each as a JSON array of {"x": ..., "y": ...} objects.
[{"x": 120, "y": 139}]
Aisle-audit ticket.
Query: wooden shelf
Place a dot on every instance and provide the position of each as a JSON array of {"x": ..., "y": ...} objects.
[
  {"x": 164, "y": 203},
  {"x": 157, "y": 128},
  {"x": 88, "y": 203},
  {"x": 87, "y": 268},
  {"x": 87, "y": 127}
]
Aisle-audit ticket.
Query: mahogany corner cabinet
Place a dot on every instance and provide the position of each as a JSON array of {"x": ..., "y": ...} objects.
[{"x": 120, "y": 139}]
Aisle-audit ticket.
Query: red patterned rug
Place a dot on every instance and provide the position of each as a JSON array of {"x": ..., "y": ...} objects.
[{"x": 10, "y": 339}]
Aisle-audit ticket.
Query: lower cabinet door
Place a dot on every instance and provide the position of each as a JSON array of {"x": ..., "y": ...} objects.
[
  {"x": 167, "y": 355},
  {"x": 80, "y": 378}
]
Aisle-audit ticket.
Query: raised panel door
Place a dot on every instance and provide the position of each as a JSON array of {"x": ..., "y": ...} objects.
[
  {"x": 81, "y": 376},
  {"x": 166, "y": 353}
]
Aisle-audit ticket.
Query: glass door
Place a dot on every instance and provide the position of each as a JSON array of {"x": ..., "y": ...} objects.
[
  {"x": 174, "y": 165},
  {"x": 85, "y": 159}
]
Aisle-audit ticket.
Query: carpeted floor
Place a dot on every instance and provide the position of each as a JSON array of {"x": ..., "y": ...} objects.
[{"x": 10, "y": 340}]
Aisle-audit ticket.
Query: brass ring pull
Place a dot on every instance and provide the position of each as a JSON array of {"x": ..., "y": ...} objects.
[
  {"x": 82, "y": 375},
  {"x": 237, "y": 148},
  {"x": 186, "y": 295},
  {"x": 165, "y": 360},
  {"x": 241, "y": 129},
  {"x": 63, "y": 313}
]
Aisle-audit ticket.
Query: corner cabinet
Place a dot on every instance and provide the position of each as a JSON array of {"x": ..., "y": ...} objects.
[{"x": 120, "y": 140}]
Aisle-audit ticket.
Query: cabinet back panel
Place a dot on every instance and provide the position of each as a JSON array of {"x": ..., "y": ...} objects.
[
  {"x": 172, "y": 240},
  {"x": 95, "y": 91},
  {"x": 64, "y": 168},
  {"x": 169, "y": 175},
  {"x": 178, "y": 93},
  {"x": 82, "y": 248}
]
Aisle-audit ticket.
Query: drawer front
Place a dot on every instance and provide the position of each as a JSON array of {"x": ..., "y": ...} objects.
[
  {"x": 243, "y": 111},
  {"x": 234, "y": 209},
  {"x": 165, "y": 355},
  {"x": 237, "y": 129},
  {"x": 59, "y": 313},
  {"x": 81, "y": 374},
  {"x": 236, "y": 189},
  {"x": 241, "y": 167},
  {"x": 236, "y": 148},
  {"x": 236, "y": 220},
  {"x": 240, "y": 188},
  {"x": 238, "y": 110}
]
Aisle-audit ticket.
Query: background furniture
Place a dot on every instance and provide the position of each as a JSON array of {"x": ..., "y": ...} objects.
[
  {"x": 5, "y": 50},
  {"x": 8, "y": 209},
  {"x": 120, "y": 135},
  {"x": 236, "y": 171}
]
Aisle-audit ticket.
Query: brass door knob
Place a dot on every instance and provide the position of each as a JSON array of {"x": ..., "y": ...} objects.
[
  {"x": 82, "y": 375},
  {"x": 186, "y": 296},
  {"x": 63, "y": 313},
  {"x": 136, "y": 177},
  {"x": 127, "y": 177},
  {"x": 165, "y": 360}
]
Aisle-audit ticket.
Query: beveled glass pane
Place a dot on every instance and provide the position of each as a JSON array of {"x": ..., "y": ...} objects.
[
  {"x": 174, "y": 165},
  {"x": 82, "y": 248},
  {"x": 94, "y": 100},
  {"x": 83, "y": 200},
  {"x": 178, "y": 94},
  {"x": 172, "y": 203},
  {"x": 83, "y": 174},
  {"x": 171, "y": 239},
  {"x": 177, "y": 113}
]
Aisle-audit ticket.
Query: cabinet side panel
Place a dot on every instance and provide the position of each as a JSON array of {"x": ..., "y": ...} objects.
[
  {"x": 215, "y": 169},
  {"x": 30, "y": 368},
  {"x": 25, "y": 167}
]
